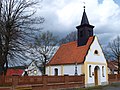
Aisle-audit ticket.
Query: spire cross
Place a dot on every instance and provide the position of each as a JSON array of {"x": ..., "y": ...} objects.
[{"x": 84, "y": 5}]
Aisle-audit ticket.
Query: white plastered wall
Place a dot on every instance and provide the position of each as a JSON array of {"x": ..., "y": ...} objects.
[
  {"x": 64, "y": 69},
  {"x": 95, "y": 60},
  {"x": 32, "y": 67}
]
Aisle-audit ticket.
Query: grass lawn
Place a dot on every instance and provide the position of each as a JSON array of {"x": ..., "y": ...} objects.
[{"x": 114, "y": 86}]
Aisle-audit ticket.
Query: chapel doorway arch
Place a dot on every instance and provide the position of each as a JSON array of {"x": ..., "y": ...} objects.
[{"x": 97, "y": 75}]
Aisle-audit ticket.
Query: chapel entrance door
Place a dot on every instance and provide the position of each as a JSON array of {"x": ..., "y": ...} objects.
[{"x": 96, "y": 75}]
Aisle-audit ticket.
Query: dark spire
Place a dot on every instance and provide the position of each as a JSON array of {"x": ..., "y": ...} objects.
[
  {"x": 84, "y": 30},
  {"x": 84, "y": 18}
]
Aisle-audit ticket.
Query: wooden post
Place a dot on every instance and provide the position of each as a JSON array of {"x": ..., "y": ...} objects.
[
  {"x": 15, "y": 80},
  {"x": 116, "y": 78},
  {"x": 82, "y": 80},
  {"x": 66, "y": 79},
  {"x": 44, "y": 81}
]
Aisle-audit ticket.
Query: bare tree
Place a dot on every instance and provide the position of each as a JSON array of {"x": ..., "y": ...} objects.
[
  {"x": 115, "y": 50},
  {"x": 107, "y": 53},
  {"x": 44, "y": 47},
  {"x": 16, "y": 30},
  {"x": 70, "y": 37}
]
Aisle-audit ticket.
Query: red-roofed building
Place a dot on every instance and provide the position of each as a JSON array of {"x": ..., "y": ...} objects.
[
  {"x": 81, "y": 57},
  {"x": 11, "y": 72},
  {"x": 112, "y": 67},
  {"x": 76, "y": 54}
]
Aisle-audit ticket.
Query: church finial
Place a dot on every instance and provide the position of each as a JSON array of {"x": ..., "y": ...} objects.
[
  {"x": 84, "y": 17},
  {"x": 84, "y": 6}
]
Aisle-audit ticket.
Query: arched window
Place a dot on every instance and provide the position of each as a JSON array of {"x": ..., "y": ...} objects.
[
  {"x": 96, "y": 52},
  {"x": 103, "y": 71},
  {"x": 90, "y": 71},
  {"x": 56, "y": 72}
]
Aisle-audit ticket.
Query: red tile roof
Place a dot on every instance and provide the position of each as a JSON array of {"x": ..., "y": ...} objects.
[
  {"x": 11, "y": 72},
  {"x": 70, "y": 53}
]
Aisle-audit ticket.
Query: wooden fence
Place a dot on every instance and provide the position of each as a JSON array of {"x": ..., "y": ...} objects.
[
  {"x": 43, "y": 82},
  {"x": 112, "y": 78},
  {"x": 48, "y": 82}
]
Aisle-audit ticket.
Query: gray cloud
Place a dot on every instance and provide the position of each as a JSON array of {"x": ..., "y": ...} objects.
[{"x": 62, "y": 17}]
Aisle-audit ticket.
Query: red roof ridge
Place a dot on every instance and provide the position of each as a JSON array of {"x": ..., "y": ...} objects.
[
  {"x": 70, "y": 53},
  {"x": 69, "y": 43}
]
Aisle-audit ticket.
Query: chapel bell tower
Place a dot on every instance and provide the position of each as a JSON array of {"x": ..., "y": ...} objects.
[{"x": 84, "y": 30}]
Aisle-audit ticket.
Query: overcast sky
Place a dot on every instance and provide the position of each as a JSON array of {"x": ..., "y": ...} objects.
[{"x": 62, "y": 17}]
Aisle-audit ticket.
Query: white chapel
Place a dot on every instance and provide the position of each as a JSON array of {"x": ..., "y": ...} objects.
[{"x": 81, "y": 57}]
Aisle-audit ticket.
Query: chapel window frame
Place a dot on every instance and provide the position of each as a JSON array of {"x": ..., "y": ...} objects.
[
  {"x": 103, "y": 74},
  {"x": 90, "y": 73},
  {"x": 56, "y": 71}
]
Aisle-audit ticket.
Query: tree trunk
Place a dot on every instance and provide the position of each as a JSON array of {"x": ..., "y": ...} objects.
[
  {"x": 1, "y": 60},
  {"x": 1, "y": 68},
  {"x": 6, "y": 53},
  {"x": 6, "y": 65},
  {"x": 44, "y": 64}
]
